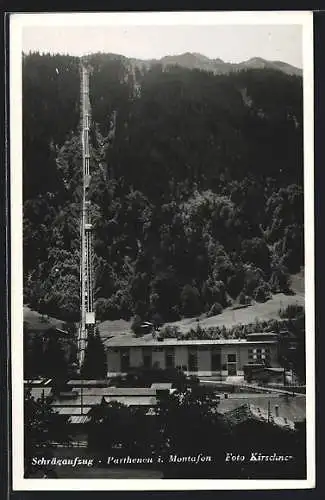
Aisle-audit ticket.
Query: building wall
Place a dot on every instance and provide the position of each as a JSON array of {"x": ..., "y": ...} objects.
[
  {"x": 204, "y": 362},
  {"x": 204, "y": 353},
  {"x": 272, "y": 351},
  {"x": 113, "y": 360}
]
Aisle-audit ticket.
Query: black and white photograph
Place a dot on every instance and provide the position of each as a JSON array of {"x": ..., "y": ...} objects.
[{"x": 162, "y": 307}]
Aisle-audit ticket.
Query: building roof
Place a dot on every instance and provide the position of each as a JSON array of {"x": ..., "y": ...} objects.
[
  {"x": 38, "y": 392},
  {"x": 140, "y": 342},
  {"x": 87, "y": 383},
  {"x": 89, "y": 403},
  {"x": 36, "y": 382},
  {"x": 73, "y": 410},
  {"x": 248, "y": 411},
  {"x": 292, "y": 408},
  {"x": 79, "y": 419},
  {"x": 133, "y": 400},
  {"x": 92, "y": 396},
  {"x": 131, "y": 391},
  {"x": 274, "y": 369},
  {"x": 162, "y": 386},
  {"x": 265, "y": 335}
]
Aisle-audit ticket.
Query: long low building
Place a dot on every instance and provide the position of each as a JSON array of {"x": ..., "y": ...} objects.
[{"x": 224, "y": 357}]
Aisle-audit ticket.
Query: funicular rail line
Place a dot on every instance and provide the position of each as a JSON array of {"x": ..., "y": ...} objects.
[{"x": 86, "y": 237}]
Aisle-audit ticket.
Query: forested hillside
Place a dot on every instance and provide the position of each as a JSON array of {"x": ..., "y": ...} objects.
[{"x": 196, "y": 187}]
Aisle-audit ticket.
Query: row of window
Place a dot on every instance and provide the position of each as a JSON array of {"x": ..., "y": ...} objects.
[
  {"x": 258, "y": 355},
  {"x": 192, "y": 359}
]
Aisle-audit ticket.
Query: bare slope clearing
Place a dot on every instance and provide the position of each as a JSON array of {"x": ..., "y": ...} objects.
[
  {"x": 37, "y": 322},
  {"x": 230, "y": 317},
  {"x": 115, "y": 328}
]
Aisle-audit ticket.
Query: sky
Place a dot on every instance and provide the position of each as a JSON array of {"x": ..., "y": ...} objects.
[{"x": 231, "y": 43}]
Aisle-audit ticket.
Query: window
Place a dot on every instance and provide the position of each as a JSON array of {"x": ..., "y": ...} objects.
[
  {"x": 232, "y": 358},
  {"x": 147, "y": 359},
  {"x": 192, "y": 361},
  {"x": 259, "y": 355},
  {"x": 170, "y": 358}
]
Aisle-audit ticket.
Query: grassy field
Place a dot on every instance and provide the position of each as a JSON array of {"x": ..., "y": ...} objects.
[
  {"x": 298, "y": 283},
  {"x": 38, "y": 322},
  {"x": 116, "y": 328},
  {"x": 228, "y": 318}
]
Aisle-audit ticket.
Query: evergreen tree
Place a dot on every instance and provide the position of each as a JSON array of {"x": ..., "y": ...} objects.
[
  {"x": 95, "y": 362},
  {"x": 43, "y": 428},
  {"x": 136, "y": 326},
  {"x": 54, "y": 359},
  {"x": 37, "y": 361}
]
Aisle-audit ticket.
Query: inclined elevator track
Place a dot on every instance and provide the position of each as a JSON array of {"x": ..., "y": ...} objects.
[{"x": 87, "y": 320}]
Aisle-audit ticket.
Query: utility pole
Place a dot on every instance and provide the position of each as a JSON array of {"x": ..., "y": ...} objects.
[{"x": 87, "y": 319}]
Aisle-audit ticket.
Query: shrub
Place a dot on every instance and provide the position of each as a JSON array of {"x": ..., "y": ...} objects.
[
  {"x": 101, "y": 308},
  {"x": 112, "y": 308},
  {"x": 157, "y": 320},
  {"x": 170, "y": 332},
  {"x": 244, "y": 299},
  {"x": 254, "y": 278},
  {"x": 262, "y": 293},
  {"x": 280, "y": 279},
  {"x": 291, "y": 311},
  {"x": 214, "y": 291},
  {"x": 256, "y": 251}
]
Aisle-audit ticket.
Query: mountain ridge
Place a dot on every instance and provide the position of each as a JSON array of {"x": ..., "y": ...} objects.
[
  {"x": 199, "y": 61},
  {"x": 195, "y": 60}
]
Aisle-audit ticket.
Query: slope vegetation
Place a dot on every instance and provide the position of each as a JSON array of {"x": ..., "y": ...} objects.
[{"x": 196, "y": 187}]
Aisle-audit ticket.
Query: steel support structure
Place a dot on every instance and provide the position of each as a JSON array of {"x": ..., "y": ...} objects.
[{"x": 87, "y": 319}]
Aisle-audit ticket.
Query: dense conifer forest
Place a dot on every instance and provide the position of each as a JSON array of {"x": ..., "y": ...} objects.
[{"x": 197, "y": 186}]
